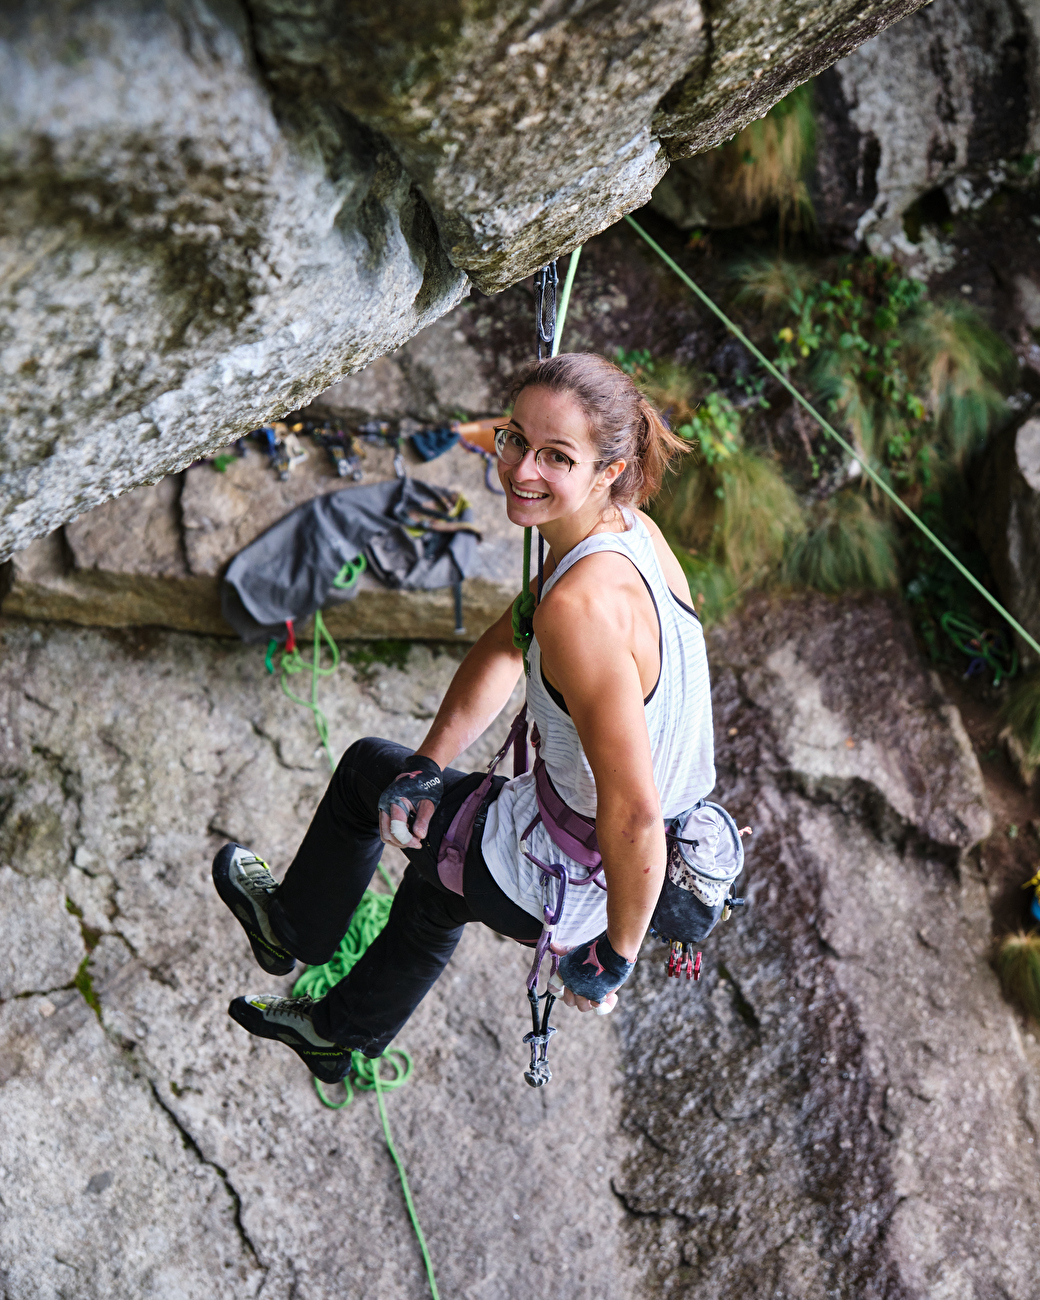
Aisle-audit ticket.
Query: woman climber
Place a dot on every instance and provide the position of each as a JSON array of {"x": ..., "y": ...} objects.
[{"x": 617, "y": 687}]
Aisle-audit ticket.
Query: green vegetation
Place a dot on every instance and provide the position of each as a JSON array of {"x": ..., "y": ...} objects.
[
  {"x": 1022, "y": 712},
  {"x": 916, "y": 385},
  {"x": 763, "y": 169},
  {"x": 85, "y": 984},
  {"x": 729, "y": 512},
  {"x": 845, "y": 546},
  {"x": 1018, "y": 965},
  {"x": 363, "y": 654}
]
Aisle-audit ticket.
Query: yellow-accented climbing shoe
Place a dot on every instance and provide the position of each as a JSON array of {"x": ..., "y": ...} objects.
[
  {"x": 245, "y": 884},
  {"x": 288, "y": 1020}
]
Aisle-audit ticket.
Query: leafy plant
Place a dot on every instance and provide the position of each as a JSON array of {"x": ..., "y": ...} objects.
[
  {"x": 634, "y": 361},
  {"x": 1022, "y": 713},
  {"x": 914, "y": 384},
  {"x": 728, "y": 513}
]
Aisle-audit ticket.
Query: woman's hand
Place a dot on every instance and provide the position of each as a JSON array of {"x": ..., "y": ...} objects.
[{"x": 416, "y": 791}]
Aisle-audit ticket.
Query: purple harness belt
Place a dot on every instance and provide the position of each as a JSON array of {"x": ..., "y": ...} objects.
[{"x": 570, "y": 831}]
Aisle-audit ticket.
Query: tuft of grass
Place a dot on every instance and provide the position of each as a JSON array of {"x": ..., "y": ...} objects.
[
  {"x": 764, "y": 167},
  {"x": 1022, "y": 713},
  {"x": 845, "y": 547},
  {"x": 964, "y": 366},
  {"x": 364, "y": 654},
  {"x": 728, "y": 512},
  {"x": 1018, "y": 965},
  {"x": 85, "y": 984}
]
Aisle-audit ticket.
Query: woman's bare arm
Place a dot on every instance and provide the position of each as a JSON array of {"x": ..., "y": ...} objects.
[
  {"x": 478, "y": 693},
  {"x": 587, "y": 633}
]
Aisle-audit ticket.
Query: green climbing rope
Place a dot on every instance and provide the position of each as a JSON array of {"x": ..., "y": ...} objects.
[
  {"x": 369, "y": 917},
  {"x": 831, "y": 432},
  {"x": 565, "y": 300},
  {"x": 985, "y": 647},
  {"x": 293, "y": 662}
]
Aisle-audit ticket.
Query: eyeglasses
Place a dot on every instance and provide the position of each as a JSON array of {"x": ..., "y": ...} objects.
[{"x": 553, "y": 464}]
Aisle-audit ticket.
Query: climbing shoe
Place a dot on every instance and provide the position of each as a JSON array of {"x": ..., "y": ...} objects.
[
  {"x": 245, "y": 884},
  {"x": 288, "y": 1020}
]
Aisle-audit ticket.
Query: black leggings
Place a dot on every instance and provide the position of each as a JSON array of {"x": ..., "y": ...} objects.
[{"x": 334, "y": 866}]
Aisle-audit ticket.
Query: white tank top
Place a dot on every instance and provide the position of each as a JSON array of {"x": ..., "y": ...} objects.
[{"x": 678, "y": 720}]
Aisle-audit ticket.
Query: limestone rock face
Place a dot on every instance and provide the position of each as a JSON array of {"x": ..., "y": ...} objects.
[
  {"x": 942, "y": 100},
  {"x": 947, "y": 99},
  {"x": 213, "y": 210},
  {"x": 179, "y": 262},
  {"x": 166, "y": 1151},
  {"x": 1009, "y": 521},
  {"x": 842, "y": 1105}
]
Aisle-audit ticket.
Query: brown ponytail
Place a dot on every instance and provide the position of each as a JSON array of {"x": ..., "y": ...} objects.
[{"x": 622, "y": 424}]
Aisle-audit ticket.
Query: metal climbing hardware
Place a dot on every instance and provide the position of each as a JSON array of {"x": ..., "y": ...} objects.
[
  {"x": 545, "y": 284},
  {"x": 344, "y": 453},
  {"x": 539, "y": 1074},
  {"x": 681, "y": 958}
]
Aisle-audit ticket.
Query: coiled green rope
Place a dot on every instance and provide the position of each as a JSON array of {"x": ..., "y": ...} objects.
[
  {"x": 293, "y": 662},
  {"x": 369, "y": 918}
]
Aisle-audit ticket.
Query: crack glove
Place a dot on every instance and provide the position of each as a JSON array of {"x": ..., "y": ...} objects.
[
  {"x": 594, "y": 970},
  {"x": 401, "y": 800}
]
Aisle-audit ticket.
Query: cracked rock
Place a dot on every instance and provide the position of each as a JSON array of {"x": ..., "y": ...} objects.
[{"x": 42, "y": 946}]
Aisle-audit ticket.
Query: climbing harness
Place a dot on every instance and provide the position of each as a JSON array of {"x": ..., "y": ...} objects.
[
  {"x": 370, "y": 916},
  {"x": 831, "y": 432}
]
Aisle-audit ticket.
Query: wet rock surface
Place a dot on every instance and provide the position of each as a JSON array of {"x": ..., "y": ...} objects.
[
  {"x": 843, "y": 1105},
  {"x": 213, "y": 211}
]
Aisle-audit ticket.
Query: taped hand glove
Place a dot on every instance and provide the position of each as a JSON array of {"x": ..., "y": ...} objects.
[
  {"x": 594, "y": 969},
  {"x": 406, "y": 792}
]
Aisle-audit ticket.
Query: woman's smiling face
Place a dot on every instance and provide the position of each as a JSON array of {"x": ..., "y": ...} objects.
[{"x": 553, "y": 420}]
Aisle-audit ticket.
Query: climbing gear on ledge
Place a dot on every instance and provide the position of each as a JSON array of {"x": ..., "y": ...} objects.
[
  {"x": 344, "y": 452},
  {"x": 830, "y": 432}
]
